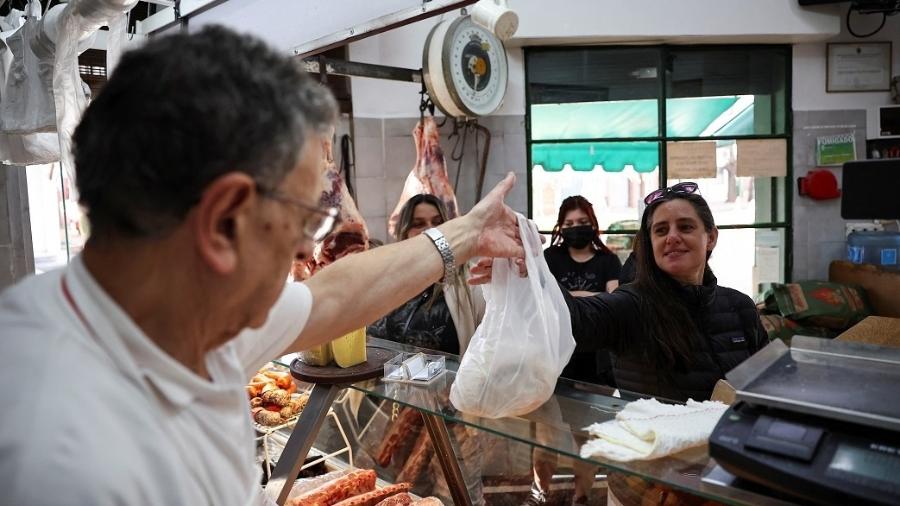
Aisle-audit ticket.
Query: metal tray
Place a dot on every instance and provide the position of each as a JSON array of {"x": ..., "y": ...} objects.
[{"x": 841, "y": 380}]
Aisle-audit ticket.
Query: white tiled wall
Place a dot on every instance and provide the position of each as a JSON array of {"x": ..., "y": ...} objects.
[{"x": 385, "y": 154}]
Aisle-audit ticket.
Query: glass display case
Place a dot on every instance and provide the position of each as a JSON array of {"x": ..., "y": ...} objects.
[{"x": 412, "y": 433}]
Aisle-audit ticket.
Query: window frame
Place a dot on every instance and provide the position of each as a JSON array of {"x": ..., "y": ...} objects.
[{"x": 663, "y": 52}]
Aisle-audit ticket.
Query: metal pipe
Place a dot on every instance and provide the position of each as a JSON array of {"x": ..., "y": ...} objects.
[
  {"x": 447, "y": 458},
  {"x": 356, "y": 69}
]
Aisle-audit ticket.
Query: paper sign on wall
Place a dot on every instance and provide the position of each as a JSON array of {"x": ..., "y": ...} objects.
[
  {"x": 768, "y": 264},
  {"x": 835, "y": 149},
  {"x": 691, "y": 160},
  {"x": 762, "y": 158}
]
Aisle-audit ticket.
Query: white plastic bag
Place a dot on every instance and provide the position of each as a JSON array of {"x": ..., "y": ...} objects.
[{"x": 523, "y": 343}]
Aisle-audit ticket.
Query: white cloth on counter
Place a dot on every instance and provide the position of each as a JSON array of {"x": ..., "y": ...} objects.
[{"x": 648, "y": 429}]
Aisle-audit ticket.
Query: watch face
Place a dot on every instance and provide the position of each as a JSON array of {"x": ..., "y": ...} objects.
[{"x": 477, "y": 67}]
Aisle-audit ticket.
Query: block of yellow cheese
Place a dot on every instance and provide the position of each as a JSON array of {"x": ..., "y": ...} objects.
[
  {"x": 350, "y": 349},
  {"x": 317, "y": 355}
]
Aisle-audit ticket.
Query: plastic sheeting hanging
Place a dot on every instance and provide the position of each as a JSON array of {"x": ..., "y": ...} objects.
[
  {"x": 12, "y": 21},
  {"x": 42, "y": 89},
  {"x": 27, "y": 105},
  {"x": 80, "y": 17},
  {"x": 22, "y": 148},
  {"x": 115, "y": 39}
]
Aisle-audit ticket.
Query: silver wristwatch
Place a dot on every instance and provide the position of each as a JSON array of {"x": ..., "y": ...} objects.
[{"x": 443, "y": 247}]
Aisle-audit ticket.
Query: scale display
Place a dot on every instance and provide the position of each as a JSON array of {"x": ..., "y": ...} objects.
[
  {"x": 465, "y": 68},
  {"x": 875, "y": 464}
]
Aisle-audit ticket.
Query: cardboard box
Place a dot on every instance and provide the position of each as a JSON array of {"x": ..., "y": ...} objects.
[
  {"x": 882, "y": 286},
  {"x": 724, "y": 392},
  {"x": 878, "y": 330}
]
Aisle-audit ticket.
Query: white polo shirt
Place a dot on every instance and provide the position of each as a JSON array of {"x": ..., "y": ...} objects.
[{"x": 98, "y": 414}]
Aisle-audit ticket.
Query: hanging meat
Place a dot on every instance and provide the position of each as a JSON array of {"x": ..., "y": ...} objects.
[
  {"x": 429, "y": 175},
  {"x": 350, "y": 236}
]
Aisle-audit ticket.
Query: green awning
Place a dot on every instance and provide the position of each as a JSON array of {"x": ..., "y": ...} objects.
[
  {"x": 689, "y": 117},
  {"x": 742, "y": 124},
  {"x": 685, "y": 117},
  {"x": 584, "y": 156},
  {"x": 594, "y": 120}
]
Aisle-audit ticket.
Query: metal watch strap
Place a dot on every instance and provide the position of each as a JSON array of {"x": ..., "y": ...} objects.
[{"x": 443, "y": 247}]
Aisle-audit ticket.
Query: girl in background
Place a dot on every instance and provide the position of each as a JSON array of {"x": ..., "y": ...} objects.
[
  {"x": 444, "y": 316},
  {"x": 584, "y": 266}
]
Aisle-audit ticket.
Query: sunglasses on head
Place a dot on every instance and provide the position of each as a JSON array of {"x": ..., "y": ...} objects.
[{"x": 685, "y": 188}]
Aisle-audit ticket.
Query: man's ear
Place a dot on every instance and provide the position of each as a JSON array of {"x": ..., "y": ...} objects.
[
  {"x": 220, "y": 218},
  {"x": 713, "y": 238}
]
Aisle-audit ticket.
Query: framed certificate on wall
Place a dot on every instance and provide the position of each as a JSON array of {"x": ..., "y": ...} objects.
[{"x": 858, "y": 66}]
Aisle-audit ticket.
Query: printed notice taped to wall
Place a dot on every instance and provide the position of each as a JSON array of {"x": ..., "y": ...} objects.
[
  {"x": 835, "y": 149},
  {"x": 768, "y": 264},
  {"x": 762, "y": 158},
  {"x": 691, "y": 160}
]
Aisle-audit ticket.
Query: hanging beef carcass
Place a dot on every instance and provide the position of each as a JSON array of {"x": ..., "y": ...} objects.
[
  {"x": 350, "y": 236},
  {"x": 429, "y": 175}
]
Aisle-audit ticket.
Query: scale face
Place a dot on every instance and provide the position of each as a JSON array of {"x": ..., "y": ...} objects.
[{"x": 465, "y": 68}]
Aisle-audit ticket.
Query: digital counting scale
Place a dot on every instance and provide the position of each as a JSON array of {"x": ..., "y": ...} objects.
[{"x": 819, "y": 421}]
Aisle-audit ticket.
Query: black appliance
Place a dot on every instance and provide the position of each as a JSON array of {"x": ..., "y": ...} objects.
[
  {"x": 819, "y": 422},
  {"x": 870, "y": 190}
]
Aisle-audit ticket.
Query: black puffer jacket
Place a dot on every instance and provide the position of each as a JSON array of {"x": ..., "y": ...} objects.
[{"x": 727, "y": 319}]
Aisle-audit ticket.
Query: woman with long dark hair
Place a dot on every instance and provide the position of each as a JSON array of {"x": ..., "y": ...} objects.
[
  {"x": 584, "y": 266},
  {"x": 444, "y": 316},
  {"x": 674, "y": 331}
]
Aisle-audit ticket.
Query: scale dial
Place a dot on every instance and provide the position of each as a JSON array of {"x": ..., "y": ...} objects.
[{"x": 465, "y": 68}]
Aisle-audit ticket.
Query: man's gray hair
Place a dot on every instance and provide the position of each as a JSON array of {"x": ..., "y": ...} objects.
[{"x": 182, "y": 111}]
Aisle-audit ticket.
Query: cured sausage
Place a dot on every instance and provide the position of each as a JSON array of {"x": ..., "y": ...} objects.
[
  {"x": 349, "y": 485},
  {"x": 376, "y": 496}
]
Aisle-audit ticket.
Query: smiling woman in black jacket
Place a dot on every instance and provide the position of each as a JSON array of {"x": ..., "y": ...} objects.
[{"x": 673, "y": 331}]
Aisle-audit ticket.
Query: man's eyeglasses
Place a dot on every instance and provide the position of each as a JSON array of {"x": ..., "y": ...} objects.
[
  {"x": 686, "y": 187},
  {"x": 316, "y": 227}
]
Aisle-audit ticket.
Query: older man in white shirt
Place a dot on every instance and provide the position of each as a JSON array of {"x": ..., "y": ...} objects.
[{"x": 199, "y": 168}]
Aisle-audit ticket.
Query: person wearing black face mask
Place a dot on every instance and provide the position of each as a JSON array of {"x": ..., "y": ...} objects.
[
  {"x": 584, "y": 266},
  {"x": 577, "y": 256}
]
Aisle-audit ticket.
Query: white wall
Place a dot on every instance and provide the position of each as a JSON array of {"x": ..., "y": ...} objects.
[
  {"x": 657, "y": 21},
  {"x": 288, "y": 23},
  {"x": 402, "y": 47},
  {"x": 819, "y": 230},
  {"x": 591, "y": 22}
]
